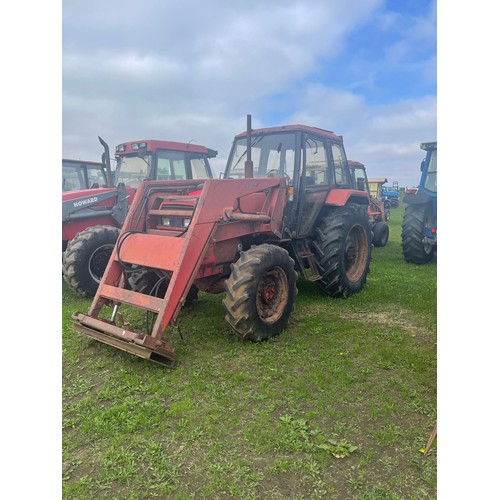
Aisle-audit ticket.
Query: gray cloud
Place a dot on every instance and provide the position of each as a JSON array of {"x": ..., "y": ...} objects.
[{"x": 193, "y": 70}]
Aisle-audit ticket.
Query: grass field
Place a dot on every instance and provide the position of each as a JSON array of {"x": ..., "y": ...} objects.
[{"x": 338, "y": 406}]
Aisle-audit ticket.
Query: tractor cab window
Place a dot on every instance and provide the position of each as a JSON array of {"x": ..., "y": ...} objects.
[
  {"x": 132, "y": 170},
  {"x": 273, "y": 155},
  {"x": 361, "y": 181},
  {"x": 430, "y": 182},
  {"x": 81, "y": 175},
  {"x": 199, "y": 168},
  {"x": 171, "y": 166},
  {"x": 316, "y": 163},
  {"x": 72, "y": 179},
  {"x": 340, "y": 169}
]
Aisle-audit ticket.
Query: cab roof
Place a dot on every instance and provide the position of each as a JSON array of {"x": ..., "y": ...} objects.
[
  {"x": 153, "y": 145},
  {"x": 294, "y": 128},
  {"x": 355, "y": 164},
  {"x": 426, "y": 146}
]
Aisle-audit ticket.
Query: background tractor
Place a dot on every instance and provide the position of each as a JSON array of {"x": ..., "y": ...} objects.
[
  {"x": 92, "y": 218},
  {"x": 378, "y": 213},
  {"x": 419, "y": 232},
  {"x": 391, "y": 195},
  {"x": 79, "y": 174},
  {"x": 286, "y": 206}
]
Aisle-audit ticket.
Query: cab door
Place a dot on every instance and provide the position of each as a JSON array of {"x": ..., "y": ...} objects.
[{"x": 315, "y": 182}]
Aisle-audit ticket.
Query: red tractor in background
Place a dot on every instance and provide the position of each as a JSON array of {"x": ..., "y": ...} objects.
[
  {"x": 92, "y": 218},
  {"x": 378, "y": 212},
  {"x": 286, "y": 206},
  {"x": 81, "y": 174}
]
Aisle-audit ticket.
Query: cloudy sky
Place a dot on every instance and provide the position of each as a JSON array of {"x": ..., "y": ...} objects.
[{"x": 191, "y": 71}]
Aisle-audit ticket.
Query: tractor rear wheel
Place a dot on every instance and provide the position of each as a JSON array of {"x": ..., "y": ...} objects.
[
  {"x": 260, "y": 292},
  {"x": 155, "y": 283},
  {"x": 416, "y": 218},
  {"x": 342, "y": 249},
  {"x": 86, "y": 257},
  {"x": 380, "y": 234}
]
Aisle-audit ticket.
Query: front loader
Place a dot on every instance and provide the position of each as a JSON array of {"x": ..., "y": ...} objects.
[{"x": 286, "y": 206}]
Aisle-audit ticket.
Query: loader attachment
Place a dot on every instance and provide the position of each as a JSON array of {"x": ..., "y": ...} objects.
[{"x": 169, "y": 230}]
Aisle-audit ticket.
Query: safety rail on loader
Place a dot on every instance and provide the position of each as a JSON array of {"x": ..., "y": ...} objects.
[{"x": 176, "y": 233}]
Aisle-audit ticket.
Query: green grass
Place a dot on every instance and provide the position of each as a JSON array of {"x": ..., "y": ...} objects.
[{"x": 338, "y": 406}]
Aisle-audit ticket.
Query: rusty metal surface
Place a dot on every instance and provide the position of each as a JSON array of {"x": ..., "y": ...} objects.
[{"x": 163, "y": 354}]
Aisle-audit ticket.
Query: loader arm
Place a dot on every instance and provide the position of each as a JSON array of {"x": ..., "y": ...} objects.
[{"x": 149, "y": 240}]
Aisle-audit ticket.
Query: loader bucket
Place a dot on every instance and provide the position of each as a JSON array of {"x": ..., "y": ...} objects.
[{"x": 150, "y": 240}]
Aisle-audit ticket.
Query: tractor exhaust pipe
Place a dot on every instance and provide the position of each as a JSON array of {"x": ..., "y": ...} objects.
[
  {"x": 249, "y": 162},
  {"x": 106, "y": 161}
]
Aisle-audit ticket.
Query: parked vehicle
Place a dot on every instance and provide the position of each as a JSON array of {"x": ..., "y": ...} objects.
[
  {"x": 286, "y": 205},
  {"x": 92, "y": 218},
  {"x": 391, "y": 194},
  {"x": 419, "y": 231},
  {"x": 378, "y": 213},
  {"x": 80, "y": 174}
]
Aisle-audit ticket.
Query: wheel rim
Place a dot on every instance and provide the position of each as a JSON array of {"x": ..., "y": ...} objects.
[
  {"x": 356, "y": 253},
  {"x": 99, "y": 260},
  {"x": 428, "y": 247},
  {"x": 272, "y": 296}
]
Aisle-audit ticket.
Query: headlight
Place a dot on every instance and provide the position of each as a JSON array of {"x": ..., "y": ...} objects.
[{"x": 175, "y": 222}]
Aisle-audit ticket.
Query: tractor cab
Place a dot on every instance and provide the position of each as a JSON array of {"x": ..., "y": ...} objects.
[
  {"x": 358, "y": 171},
  {"x": 80, "y": 174},
  {"x": 161, "y": 160},
  {"x": 428, "y": 182},
  {"x": 312, "y": 161}
]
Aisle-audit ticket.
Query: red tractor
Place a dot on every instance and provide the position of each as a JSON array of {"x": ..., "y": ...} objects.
[
  {"x": 286, "y": 206},
  {"x": 80, "y": 174},
  {"x": 379, "y": 214},
  {"x": 92, "y": 218}
]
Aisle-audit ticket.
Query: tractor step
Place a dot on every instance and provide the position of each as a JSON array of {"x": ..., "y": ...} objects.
[{"x": 111, "y": 334}]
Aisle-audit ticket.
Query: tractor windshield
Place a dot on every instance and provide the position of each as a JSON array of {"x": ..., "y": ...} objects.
[
  {"x": 273, "y": 155},
  {"x": 131, "y": 170},
  {"x": 430, "y": 182}
]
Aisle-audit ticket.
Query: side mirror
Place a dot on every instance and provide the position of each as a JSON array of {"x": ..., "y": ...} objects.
[{"x": 422, "y": 166}]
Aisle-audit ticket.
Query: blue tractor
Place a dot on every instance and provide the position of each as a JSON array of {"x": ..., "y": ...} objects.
[
  {"x": 419, "y": 232},
  {"x": 390, "y": 196}
]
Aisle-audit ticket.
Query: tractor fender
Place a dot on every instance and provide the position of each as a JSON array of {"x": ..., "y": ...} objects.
[
  {"x": 418, "y": 198},
  {"x": 339, "y": 197}
]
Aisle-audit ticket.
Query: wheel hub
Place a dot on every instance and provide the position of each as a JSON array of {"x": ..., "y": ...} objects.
[{"x": 272, "y": 295}]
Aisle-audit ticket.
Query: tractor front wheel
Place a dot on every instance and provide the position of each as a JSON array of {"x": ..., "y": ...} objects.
[
  {"x": 380, "y": 234},
  {"x": 416, "y": 218},
  {"x": 86, "y": 257},
  {"x": 260, "y": 292},
  {"x": 342, "y": 249}
]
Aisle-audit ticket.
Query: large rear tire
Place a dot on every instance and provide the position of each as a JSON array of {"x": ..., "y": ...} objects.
[
  {"x": 260, "y": 292},
  {"x": 86, "y": 257},
  {"x": 416, "y": 218},
  {"x": 342, "y": 249}
]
